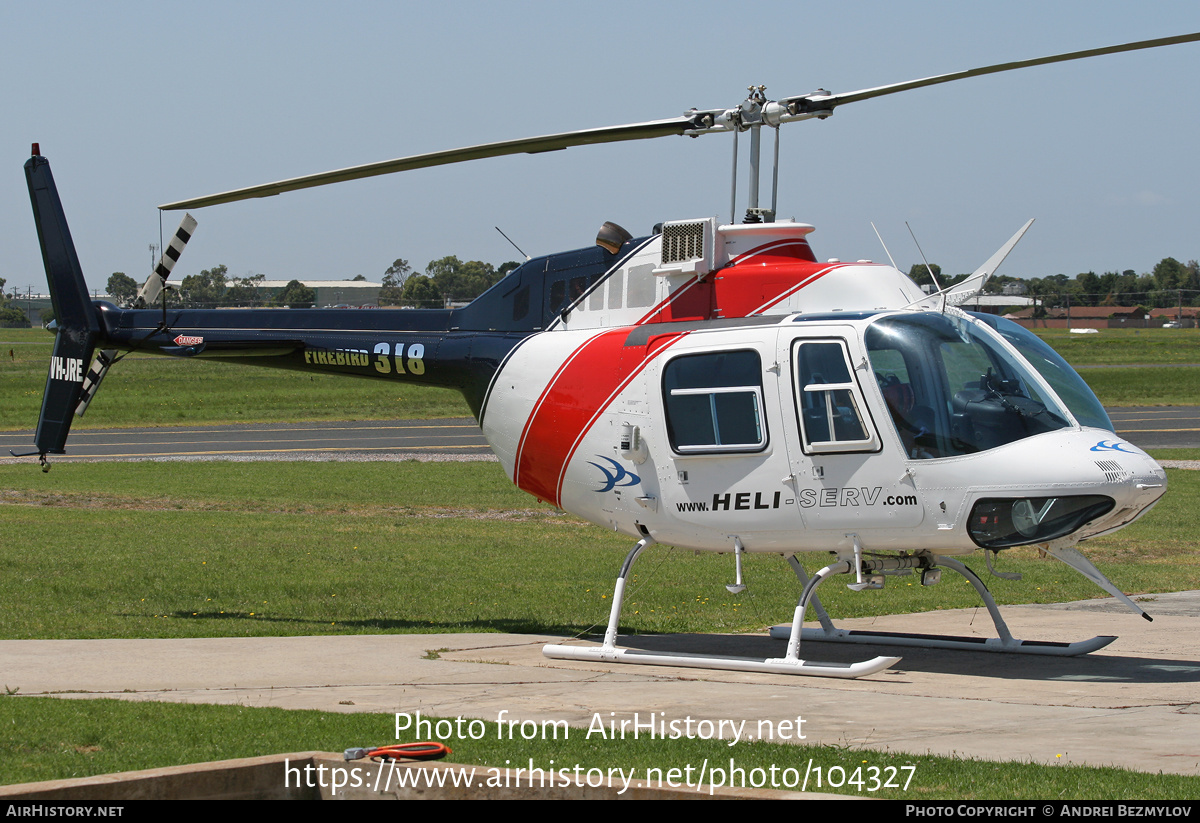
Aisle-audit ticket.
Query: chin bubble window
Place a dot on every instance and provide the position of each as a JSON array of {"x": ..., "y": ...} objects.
[{"x": 998, "y": 523}]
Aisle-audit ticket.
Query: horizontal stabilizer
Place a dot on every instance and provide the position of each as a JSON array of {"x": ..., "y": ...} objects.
[{"x": 182, "y": 351}]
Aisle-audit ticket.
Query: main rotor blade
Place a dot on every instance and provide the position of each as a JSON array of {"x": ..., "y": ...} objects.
[
  {"x": 802, "y": 107},
  {"x": 528, "y": 145},
  {"x": 828, "y": 102}
]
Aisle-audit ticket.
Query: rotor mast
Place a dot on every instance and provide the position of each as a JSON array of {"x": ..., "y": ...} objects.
[
  {"x": 754, "y": 113},
  {"x": 751, "y": 115}
]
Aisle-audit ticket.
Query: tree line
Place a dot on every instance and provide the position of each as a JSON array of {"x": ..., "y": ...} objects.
[
  {"x": 1169, "y": 284},
  {"x": 10, "y": 315},
  {"x": 446, "y": 280},
  {"x": 449, "y": 279},
  {"x": 214, "y": 288}
]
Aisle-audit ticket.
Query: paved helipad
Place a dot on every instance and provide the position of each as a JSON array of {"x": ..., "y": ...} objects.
[{"x": 1134, "y": 704}]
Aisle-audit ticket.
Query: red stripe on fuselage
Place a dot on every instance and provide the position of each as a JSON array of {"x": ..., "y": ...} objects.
[
  {"x": 691, "y": 301},
  {"x": 536, "y": 407},
  {"x": 779, "y": 298},
  {"x": 749, "y": 284},
  {"x": 795, "y": 249},
  {"x": 763, "y": 277},
  {"x": 593, "y": 375},
  {"x": 578, "y": 394}
]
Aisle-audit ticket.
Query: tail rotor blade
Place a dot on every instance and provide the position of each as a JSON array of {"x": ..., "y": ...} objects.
[{"x": 153, "y": 287}]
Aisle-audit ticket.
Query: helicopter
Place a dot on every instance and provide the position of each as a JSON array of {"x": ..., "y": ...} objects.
[{"x": 711, "y": 386}]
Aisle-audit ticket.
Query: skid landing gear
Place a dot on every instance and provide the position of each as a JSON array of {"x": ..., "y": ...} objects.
[
  {"x": 789, "y": 664},
  {"x": 1005, "y": 642}
]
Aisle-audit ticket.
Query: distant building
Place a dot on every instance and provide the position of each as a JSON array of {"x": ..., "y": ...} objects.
[
  {"x": 996, "y": 303},
  {"x": 1106, "y": 317},
  {"x": 348, "y": 293}
]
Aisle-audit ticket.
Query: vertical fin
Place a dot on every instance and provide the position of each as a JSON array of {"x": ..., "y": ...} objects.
[{"x": 78, "y": 323}]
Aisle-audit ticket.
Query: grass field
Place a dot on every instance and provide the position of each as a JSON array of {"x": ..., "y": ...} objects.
[
  {"x": 1125, "y": 347},
  {"x": 49, "y": 739},
  {"x": 239, "y": 549},
  {"x": 1166, "y": 360},
  {"x": 1144, "y": 386},
  {"x": 268, "y": 549}
]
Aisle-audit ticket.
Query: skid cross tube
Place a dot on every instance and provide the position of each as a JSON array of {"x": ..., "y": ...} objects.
[
  {"x": 1005, "y": 642},
  {"x": 856, "y": 566}
]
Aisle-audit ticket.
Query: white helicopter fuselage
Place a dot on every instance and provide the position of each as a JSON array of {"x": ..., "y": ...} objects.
[
  {"x": 766, "y": 411},
  {"x": 714, "y": 387}
]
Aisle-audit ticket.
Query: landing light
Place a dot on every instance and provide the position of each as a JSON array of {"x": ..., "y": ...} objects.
[{"x": 999, "y": 523}]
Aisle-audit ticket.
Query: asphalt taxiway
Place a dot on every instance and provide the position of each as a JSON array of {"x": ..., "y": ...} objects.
[
  {"x": 262, "y": 441},
  {"x": 1151, "y": 427},
  {"x": 1158, "y": 427}
]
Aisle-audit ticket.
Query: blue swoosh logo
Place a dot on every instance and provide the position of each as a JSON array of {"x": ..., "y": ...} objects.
[
  {"x": 615, "y": 477},
  {"x": 1105, "y": 446}
]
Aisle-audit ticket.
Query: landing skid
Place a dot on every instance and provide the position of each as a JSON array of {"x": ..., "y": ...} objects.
[
  {"x": 1004, "y": 643},
  {"x": 721, "y": 662},
  {"x": 943, "y": 641},
  {"x": 789, "y": 664}
]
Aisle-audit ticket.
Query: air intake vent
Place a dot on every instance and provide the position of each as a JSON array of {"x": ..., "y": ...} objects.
[
  {"x": 1113, "y": 472},
  {"x": 687, "y": 248},
  {"x": 682, "y": 242}
]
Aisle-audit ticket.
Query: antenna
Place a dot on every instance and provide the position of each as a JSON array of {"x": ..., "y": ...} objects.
[
  {"x": 928, "y": 268},
  {"x": 514, "y": 245},
  {"x": 885, "y": 248}
]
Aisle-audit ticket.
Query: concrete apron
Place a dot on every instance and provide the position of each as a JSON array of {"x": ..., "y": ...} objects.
[{"x": 1134, "y": 704}]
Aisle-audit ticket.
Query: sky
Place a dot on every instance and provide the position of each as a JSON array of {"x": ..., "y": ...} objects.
[{"x": 137, "y": 104}]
